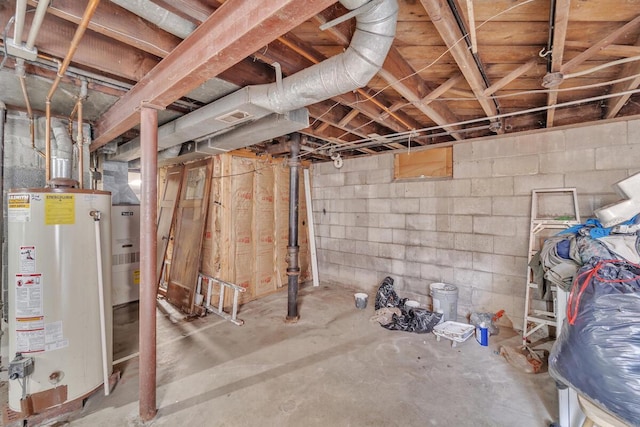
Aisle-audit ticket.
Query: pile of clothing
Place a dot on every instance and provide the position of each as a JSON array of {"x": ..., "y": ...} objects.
[{"x": 563, "y": 254}]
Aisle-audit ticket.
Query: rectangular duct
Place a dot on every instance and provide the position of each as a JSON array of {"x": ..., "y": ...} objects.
[
  {"x": 269, "y": 127},
  {"x": 223, "y": 115}
]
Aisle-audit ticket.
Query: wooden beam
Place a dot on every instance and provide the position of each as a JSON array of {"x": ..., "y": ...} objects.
[
  {"x": 349, "y": 117},
  {"x": 118, "y": 24},
  {"x": 613, "y": 50},
  {"x": 614, "y": 105},
  {"x": 96, "y": 52},
  {"x": 359, "y": 126},
  {"x": 440, "y": 90},
  {"x": 441, "y": 116},
  {"x": 399, "y": 75},
  {"x": 194, "y": 11},
  {"x": 597, "y": 47},
  {"x": 443, "y": 19},
  {"x": 560, "y": 24},
  {"x": 510, "y": 77},
  {"x": 224, "y": 39}
]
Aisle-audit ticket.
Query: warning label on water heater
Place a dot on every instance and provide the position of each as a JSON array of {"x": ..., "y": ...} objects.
[
  {"x": 19, "y": 207},
  {"x": 59, "y": 209},
  {"x": 27, "y": 259},
  {"x": 30, "y": 335}
]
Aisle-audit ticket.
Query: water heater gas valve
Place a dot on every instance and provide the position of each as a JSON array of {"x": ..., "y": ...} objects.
[{"x": 20, "y": 367}]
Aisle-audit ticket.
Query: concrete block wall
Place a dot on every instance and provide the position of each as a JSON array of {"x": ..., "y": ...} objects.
[{"x": 471, "y": 230}]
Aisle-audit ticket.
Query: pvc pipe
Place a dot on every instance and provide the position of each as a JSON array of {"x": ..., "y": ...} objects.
[
  {"x": 103, "y": 323},
  {"x": 41, "y": 11},
  {"x": 312, "y": 230},
  {"x": 18, "y": 26}
]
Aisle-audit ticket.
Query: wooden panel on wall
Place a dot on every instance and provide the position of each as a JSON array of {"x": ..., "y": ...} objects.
[{"x": 433, "y": 163}]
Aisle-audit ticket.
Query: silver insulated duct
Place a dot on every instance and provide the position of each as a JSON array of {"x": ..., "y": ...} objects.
[
  {"x": 350, "y": 70},
  {"x": 62, "y": 150}
]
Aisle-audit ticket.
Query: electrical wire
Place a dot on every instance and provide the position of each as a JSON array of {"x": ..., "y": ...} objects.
[
  {"x": 449, "y": 49},
  {"x": 400, "y": 136},
  {"x": 543, "y": 91}
]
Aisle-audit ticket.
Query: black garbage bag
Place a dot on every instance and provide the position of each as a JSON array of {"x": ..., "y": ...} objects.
[
  {"x": 387, "y": 296},
  {"x": 598, "y": 350},
  {"x": 412, "y": 319}
]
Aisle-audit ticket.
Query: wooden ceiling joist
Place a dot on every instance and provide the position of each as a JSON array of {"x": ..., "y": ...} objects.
[
  {"x": 560, "y": 24},
  {"x": 117, "y": 24},
  {"x": 614, "y": 105},
  {"x": 612, "y": 50},
  {"x": 442, "y": 89},
  {"x": 399, "y": 75},
  {"x": 597, "y": 47},
  {"x": 224, "y": 39},
  {"x": 443, "y": 19},
  {"x": 510, "y": 77}
]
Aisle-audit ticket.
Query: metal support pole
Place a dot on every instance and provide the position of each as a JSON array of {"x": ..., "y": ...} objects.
[
  {"x": 293, "y": 269},
  {"x": 148, "y": 249}
]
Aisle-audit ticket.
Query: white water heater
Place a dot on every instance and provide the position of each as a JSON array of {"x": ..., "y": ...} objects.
[{"x": 60, "y": 321}]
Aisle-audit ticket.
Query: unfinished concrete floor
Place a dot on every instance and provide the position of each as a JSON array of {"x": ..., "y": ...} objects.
[{"x": 333, "y": 368}]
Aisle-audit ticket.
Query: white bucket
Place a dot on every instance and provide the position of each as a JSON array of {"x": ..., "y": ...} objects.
[
  {"x": 445, "y": 299},
  {"x": 411, "y": 304},
  {"x": 361, "y": 300}
]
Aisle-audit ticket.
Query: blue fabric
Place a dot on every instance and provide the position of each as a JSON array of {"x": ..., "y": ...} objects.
[
  {"x": 562, "y": 248},
  {"x": 596, "y": 229}
]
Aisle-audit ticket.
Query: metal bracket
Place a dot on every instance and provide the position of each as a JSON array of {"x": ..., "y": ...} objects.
[
  {"x": 278, "y": 68},
  {"x": 351, "y": 14}
]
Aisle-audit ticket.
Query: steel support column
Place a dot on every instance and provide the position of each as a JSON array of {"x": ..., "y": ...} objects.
[
  {"x": 293, "y": 269},
  {"x": 148, "y": 249}
]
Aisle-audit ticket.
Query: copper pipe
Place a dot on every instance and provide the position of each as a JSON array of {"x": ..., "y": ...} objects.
[
  {"x": 73, "y": 112},
  {"x": 25, "y": 94},
  {"x": 88, "y": 13},
  {"x": 148, "y": 251},
  {"x": 23, "y": 86}
]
